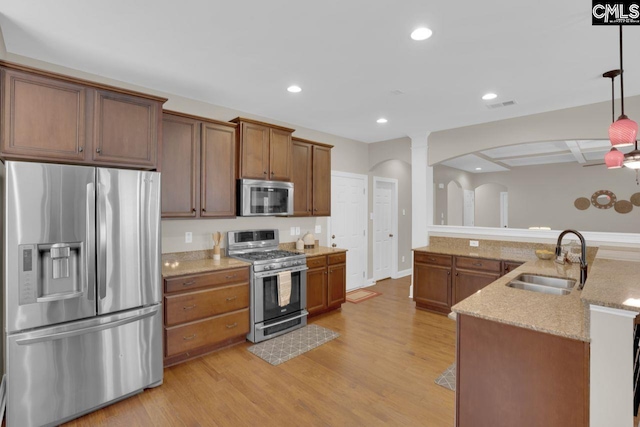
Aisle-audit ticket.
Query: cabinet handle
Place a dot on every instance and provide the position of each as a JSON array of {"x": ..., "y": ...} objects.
[
  {"x": 265, "y": 172},
  {"x": 189, "y": 307},
  {"x": 432, "y": 259},
  {"x": 326, "y": 272},
  {"x": 477, "y": 264},
  {"x": 233, "y": 276},
  {"x": 81, "y": 149},
  {"x": 98, "y": 150},
  {"x": 204, "y": 210},
  {"x": 233, "y": 325},
  {"x": 193, "y": 282},
  {"x": 232, "y": 298},
  {"x": 272, "y": 173},
  {"x": 190, "y": 337},
  {"x": 193, "y": 210}
]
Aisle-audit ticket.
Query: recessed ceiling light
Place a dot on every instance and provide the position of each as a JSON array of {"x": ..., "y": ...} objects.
[
  {"x": 478, "y": 169},
  {"x": 489, "y": 96},
  {"x": 381, "y": 120},
  {"x": 421, "y": 33},
  {"x": 294, "y": 89}
]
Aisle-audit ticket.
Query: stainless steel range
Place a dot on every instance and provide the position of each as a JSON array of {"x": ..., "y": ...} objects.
[{"x": 278, "y": 286}]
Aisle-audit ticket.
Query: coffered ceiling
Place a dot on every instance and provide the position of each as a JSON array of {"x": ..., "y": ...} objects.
[{"x": 353, "y": 59}]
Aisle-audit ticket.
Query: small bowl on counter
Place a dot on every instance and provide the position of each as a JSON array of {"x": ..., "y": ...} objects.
[{"x": 545, "y": 254}]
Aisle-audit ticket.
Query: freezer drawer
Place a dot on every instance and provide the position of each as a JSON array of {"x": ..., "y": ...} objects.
[{"x": 61, "y": 372}]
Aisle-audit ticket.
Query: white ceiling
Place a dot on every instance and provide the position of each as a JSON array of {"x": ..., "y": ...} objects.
[
  {"x": 585, "y": 152},
  {"x": 350, "y": 57}
]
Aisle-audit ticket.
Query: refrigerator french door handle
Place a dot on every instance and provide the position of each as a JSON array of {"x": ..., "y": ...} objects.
[
  {"x": 88, "y": 247},
  {"x": 148, "y": 312},
  {"x": 102, "y": 242}
]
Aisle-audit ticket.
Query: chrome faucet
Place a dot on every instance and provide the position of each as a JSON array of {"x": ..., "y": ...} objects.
[{"x": 583, "y": 255}]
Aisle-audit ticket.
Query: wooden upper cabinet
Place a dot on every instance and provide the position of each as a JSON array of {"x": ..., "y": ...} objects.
[
  {"x": 279, "y": 155},
  {"x": 311, "y": 177},
  {"x": 218, "y": 198},
  {"x": 321, "y": 180},
  {"x": 55, "y": 118},
  {"x": 180, "y": 166},
  {"x": 301, "y": 164},
  {"x": 43, "y": 118},
  {"x": 126, "y": 129},
  {"x": 264, "y": 150}
]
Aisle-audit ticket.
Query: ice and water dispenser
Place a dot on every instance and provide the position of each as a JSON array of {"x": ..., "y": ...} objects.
[{"x": 49, "y": 272}]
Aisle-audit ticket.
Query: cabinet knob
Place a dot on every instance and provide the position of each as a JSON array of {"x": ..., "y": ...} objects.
[
  {"x": 271, "y": 172},
  {"x": 390, "y": 235},
  {"x": 81, "y": 149},
  {"x": 265, "y": 172},
  {"x": 204, "y": 210},
  {"x": 98, "y": 150},
  {"x": 326, "y": 272},
  {"x": 193, "y": 210},
  {"x": 448, "y": 273},
  {"x": 456, "y": 274}
]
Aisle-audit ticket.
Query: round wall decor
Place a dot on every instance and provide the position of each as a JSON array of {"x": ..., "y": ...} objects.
[
  {"x": 635, "y": 199},
  {"x": 582, "y": 203},
  {"x": 603, "y": 199},
  {"x": 623, "y": 206}
]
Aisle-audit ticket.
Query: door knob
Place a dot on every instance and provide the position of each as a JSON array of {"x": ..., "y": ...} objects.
[
  {"x": 333, "y": 236},
  {"x": 333, "y": 245},
  {"x": 390, "y": 235}
]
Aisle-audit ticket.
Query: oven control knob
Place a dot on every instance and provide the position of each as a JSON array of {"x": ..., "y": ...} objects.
[
  {"x": 286, "y": 264},
  {"x": 267, "y": 267}
]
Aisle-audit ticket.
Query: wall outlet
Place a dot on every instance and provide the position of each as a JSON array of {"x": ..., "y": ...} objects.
[
  {"x": 318, "y": 229},
  {"x": 403, "y": 212},
  {"x": 292, "y": 232},
  {"x": 297, "y": 231},
  {"x": 188, "y": 237},
  {"x": 403, "y": 259},
  {"x": 474, "y": 243}
]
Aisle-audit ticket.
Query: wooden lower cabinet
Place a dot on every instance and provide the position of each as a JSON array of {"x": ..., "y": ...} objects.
[
  {"x": 511, "y": 376},
  {"x": 473, "y": 274},
  {"x": 326, "y": 282},
  {"x": 204, "y": 312}
]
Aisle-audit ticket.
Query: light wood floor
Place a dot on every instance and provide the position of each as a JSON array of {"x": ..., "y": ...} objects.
[{"x": 379, "y": 372}]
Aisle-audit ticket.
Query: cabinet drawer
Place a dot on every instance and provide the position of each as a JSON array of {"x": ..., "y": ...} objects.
[
  {"x": 340, "y": 258},
  {"x": 219, "y": 278},
  {"x": 191, "y": 306},
  {"x": 478, "y": 264},
  {"x": 431, "y": 258},
  {"x": 319, "y": 261},
  {"x": 205, "y": 332}
]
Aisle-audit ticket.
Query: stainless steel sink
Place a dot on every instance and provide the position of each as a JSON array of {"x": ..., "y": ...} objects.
[
  {"x": 543, "y": 284},
  {"x": 554, "y": 282}
]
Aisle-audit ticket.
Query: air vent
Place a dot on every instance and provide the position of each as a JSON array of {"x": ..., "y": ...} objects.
[{"x": 500, "y": 105}]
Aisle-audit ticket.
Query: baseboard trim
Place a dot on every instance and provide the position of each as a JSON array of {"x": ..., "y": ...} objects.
[{"x": 403, "y": 273}]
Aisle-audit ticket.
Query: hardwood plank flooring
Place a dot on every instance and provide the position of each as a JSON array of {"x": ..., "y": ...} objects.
[{"x": 379, "y": 372}]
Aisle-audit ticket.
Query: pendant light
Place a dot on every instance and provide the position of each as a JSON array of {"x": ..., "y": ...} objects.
[
  {"x": 614, "y": 158},
  {"x": 623, "y": 131}
]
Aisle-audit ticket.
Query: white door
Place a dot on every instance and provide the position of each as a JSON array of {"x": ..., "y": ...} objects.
[
  {"x": 504, "y": 209},
  {"x": 385, "y": 208},
  {"x": 469, "y": 208},
  {"x": 348, "y": 223}
]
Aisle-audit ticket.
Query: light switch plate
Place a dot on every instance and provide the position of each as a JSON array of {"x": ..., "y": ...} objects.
[
  {"x": 297, "y": 231},
  {"x": 188, "y": 237},
  {"x": 292, "y": 232},
  {"x": 474, "y": 243},
  {"x": 318, "y": 229}
]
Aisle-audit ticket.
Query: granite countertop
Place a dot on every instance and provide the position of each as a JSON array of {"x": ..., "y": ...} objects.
[
  {"x": 171, "y": 268},
  {"x": 318, "y": 251},
  {"x": 561, "y": 315},
  {"x": 498, "y": 252}
]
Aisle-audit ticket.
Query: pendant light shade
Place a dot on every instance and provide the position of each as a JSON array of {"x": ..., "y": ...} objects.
[
  {"x": 614, "y": 159},
  {"x": 623, "y": 132}
]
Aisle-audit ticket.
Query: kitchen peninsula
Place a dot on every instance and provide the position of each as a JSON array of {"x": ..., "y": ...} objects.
[{"x": 571, "y": 354}]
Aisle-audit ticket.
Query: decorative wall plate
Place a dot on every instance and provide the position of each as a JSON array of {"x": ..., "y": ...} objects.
[
  {"x": 635, "y": 199},
  {"x": 623, "y": 206},
  {"x": 582, "y": 203},
  {"x": 603, "y": 199}
]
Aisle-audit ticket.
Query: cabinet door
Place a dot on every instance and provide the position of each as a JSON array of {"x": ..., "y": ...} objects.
[
  {"x": 180, "y": 167},
  {"x": 321, "y": 181},
  {"x": 125, "y": 130},
  {"x": 301, "y": 177},
  {"x": 468, "y": 283},
  {"x": 218, "y": 194},
  {"x": 43, "y": 118},
  {"x": 254, "y": 151},
  {"x": 337, "y": 285},
  {"x": 279, "y": 155},
  {"x": 509, "y": 266},
  {"x": 432, "y": 286},
  {"x": 316, "y": 290}
]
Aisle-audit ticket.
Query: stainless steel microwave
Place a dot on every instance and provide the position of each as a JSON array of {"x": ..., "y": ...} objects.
[{"x": 264, "y": 198}]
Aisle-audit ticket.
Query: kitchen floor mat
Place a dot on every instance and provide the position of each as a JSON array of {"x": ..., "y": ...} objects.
[
  {"x": 280, "y": 349},
  {"x": 447, "y": 379},
  {"x": 360, "y": 295}
]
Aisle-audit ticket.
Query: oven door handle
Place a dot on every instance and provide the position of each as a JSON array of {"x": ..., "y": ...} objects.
[
  {"x": 303, "y": 314},
  {"x": 275, "y": 272}
]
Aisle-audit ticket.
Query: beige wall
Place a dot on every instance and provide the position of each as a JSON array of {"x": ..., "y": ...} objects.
[
  {"x": 392, "y": 159},
  {"x": 487, "y": 204},
  {"x": 544, "y": 195},
  {"x": 586, "y": 122}
]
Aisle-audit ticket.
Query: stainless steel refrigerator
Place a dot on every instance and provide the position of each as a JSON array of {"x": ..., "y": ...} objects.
[{"x": 81, "y": 288}]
